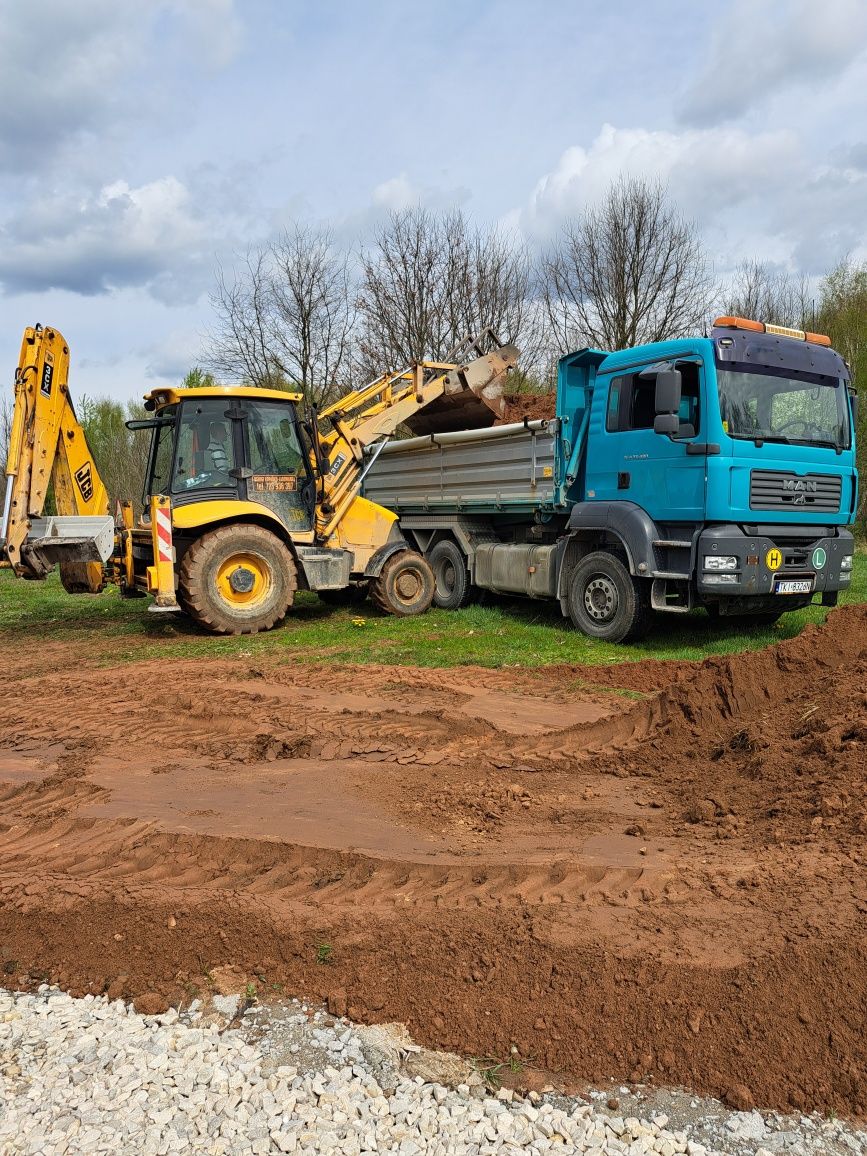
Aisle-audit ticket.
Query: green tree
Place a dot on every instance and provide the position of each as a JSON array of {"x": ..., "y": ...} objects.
[
  {"x": 120, "y": 454},
  {"x": 843, "y": 316},
  {"x": 198, "y": 378}
]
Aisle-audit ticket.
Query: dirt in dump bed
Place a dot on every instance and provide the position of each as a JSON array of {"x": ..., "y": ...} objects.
[
  {"x": 532, "y": 406},
  {"x": 665, "y": 885}
]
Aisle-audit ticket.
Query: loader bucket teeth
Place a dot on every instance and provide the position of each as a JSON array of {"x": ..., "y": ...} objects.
[{"x": 473, "y": 395}]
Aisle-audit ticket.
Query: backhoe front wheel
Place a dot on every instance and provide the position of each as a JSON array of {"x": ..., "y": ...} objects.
[
  {"x": 405, "y": 585},
  {"x": 237, "y": 580}
]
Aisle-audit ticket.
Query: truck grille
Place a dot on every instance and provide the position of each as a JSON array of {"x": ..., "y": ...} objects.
[{"x": 779, "y": 490}]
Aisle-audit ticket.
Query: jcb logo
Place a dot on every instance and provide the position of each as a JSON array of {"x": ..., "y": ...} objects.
[
  {"x": 84, "y": 479},
  {"x": 47, "y": 374}
]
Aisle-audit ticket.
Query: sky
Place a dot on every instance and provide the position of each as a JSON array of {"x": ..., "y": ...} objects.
[{"x": 144, "y": 142}]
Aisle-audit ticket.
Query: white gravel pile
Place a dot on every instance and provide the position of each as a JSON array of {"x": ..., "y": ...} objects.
[{"x": 88, "y": 1076}]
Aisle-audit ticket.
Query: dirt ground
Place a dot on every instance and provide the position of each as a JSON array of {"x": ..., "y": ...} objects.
[{"x": 652, "y": 872}]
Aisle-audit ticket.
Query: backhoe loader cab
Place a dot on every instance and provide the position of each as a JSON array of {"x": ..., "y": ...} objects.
[{"x": 231, "y": 445}]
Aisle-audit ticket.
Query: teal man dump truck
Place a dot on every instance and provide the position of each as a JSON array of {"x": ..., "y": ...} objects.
[{"x": 713, "y": 471}]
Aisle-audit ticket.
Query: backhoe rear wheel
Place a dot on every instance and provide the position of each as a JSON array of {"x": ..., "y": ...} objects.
[
  {"x": 405, "y": 585},
  {"x": 238, "y": 579}
]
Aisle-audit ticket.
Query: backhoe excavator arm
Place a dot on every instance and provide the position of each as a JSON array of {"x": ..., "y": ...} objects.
[
  {"x": 431, "y": 397},
  {"x": 47, "y": 445}
]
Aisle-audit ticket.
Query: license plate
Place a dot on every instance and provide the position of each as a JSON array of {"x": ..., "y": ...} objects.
[{"x": 793, "y": 585}]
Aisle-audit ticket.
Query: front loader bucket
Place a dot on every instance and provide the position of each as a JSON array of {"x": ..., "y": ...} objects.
[{"x": 473, "y": 397}]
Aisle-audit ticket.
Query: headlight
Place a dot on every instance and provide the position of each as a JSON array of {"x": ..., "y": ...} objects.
[
  {"x": 720, "y": 579},
  {"x": 846, "y": 562},
  {"x": 720, "y": 562}
]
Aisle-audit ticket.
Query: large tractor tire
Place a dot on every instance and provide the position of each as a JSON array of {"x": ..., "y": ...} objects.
[
  {"x": 452, "y": 578},
  {"x": 238, "y": 579},
  {"x": 606, "y": 602},
  {"x": 405, "y": 585}
]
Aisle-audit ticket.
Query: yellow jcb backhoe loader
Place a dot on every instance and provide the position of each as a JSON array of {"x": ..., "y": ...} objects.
[{"x": 246, "y": 499}]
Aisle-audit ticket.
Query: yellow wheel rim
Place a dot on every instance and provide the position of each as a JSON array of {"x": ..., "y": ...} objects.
[{"x": 243, "y": 579}]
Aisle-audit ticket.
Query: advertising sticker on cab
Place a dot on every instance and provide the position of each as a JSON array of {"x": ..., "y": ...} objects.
[{"x": 773, "y": 559}]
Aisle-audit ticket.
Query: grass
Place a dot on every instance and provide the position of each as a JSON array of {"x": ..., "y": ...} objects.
[{"x": 500, "y": 632}]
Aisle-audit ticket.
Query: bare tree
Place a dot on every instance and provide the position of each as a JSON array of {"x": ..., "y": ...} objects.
[
  {"x": 764, "y": 294},
  {"x": 429, "y": 280},
  {"x": 627, "y": 271},
  {"x": 285, "y": 317}
]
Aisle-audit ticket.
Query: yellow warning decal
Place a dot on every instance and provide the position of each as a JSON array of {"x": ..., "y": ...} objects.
[{"x": 773, "y": 559}]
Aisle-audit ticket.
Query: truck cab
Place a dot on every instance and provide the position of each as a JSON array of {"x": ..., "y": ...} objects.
[{"x": 723, "y": 467}]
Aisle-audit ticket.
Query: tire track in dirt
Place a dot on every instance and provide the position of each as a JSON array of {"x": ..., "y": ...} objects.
[{"x": 494, "y": 857}]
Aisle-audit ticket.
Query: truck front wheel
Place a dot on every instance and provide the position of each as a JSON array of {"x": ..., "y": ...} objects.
[
  {"x": 453, "y": 586},
  {"x": 237, "y": 579},
  {"x": 606, "y": 602},
  {"x": 405, "y": 585}
]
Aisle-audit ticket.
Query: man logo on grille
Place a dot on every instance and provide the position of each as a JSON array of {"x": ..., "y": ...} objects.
[{"x": 84, "y": 478}]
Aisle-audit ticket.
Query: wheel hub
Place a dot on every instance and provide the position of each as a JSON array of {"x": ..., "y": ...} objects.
[
  {"x": 446, "y": 577},
  {"x": 600, "y": 599},
  {"x": 242, "y": 580},
  {"x": 407, "y": 585}
]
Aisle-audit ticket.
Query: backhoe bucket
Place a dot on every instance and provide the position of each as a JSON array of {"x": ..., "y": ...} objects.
[{"x": 473, "y": 397}]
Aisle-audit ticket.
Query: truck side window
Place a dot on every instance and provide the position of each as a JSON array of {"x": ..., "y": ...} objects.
[
  {"x": 690, "y": 400},
  {"x": 632, "y": 402},
  {"x": 612, "y": 416}
]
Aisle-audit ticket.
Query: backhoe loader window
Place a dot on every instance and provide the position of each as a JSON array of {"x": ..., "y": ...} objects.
[
  {"x": 204, "y": 454},
  {"x": 274, "y": 448},
  {"x": 161, "y": 455}
]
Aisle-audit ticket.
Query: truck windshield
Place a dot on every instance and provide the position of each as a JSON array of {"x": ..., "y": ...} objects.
[{"x": 762, "y": 403}]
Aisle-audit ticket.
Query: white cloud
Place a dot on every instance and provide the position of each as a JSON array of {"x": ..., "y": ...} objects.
[
  {"x": 706, "y": 170},
  {"x": 213, "y": 27},
  {"x": 397, "y": 193},
  {"x": 59, "y": 63},
  {"x": 760, "y": 49},
  {"x": 122, "y": 236},
  {"x": 72, "y": 68},
  {"x": 170, "y": 358},
  {"x": 751, "y": 194}
]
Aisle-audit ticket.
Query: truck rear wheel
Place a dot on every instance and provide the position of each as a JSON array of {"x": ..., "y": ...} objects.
[
  {"x": 606, "y": 602},
  {"x": 405, "y": 585},
  {"x": 453, "y": 588},
  {"x": 238, "y": 579}
]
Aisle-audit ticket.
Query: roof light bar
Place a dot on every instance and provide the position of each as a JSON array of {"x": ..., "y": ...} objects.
[{"x": 779, "y": 330}]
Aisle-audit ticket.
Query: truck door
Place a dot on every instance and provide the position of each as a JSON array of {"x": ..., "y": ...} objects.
[
  {"x": 278, "y": 474},
  {"x": 632, "y": 463}
]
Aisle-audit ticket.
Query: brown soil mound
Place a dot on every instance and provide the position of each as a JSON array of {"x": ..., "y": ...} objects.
[
  {"x": 532, "y": 406},
  {"x": 667, "y": 888}
]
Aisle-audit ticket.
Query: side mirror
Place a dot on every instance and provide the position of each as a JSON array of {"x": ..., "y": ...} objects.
[
  {"x": 666, "y": 423},
  {"x": 668, "y": 391},
  {"x": 853, "y": 398}
]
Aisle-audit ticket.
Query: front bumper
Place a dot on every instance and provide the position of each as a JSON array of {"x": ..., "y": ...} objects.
[{"x": 765, "y": 560}]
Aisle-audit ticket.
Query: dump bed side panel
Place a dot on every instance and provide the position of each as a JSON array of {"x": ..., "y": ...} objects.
[{"x": 507, "y": 468}]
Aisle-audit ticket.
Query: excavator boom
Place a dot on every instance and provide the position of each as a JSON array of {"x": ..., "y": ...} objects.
[{"x": 47, "y": 447}]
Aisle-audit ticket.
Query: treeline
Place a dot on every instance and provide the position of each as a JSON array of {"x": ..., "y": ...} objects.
[{"x": 304, "y": 313}]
